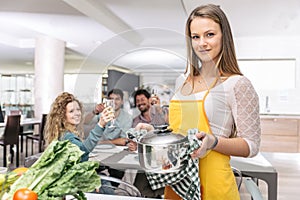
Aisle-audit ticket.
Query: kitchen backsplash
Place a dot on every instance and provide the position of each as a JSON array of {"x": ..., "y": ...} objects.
[{"x": 279, "y": 102}]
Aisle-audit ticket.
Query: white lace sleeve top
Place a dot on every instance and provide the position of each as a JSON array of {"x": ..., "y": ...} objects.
[{"x": 232, "y": 102}]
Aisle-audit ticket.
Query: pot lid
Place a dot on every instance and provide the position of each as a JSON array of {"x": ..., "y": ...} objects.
[{"x": 162, "y": 137}]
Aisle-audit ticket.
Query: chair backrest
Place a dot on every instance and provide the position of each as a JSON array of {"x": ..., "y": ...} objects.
[
  {"x": 15, "y": 112},
  {"x": 123, "y": 188},
  {"x": 253, "y": 189},
  {"x": 238, "y": 176},
  {"x": 12, "y": 129}
]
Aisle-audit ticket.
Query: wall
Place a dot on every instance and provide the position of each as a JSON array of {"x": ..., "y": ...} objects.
[{"x": 280, "y": 101}]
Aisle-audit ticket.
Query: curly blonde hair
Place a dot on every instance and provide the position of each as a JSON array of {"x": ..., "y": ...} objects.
[{"x": 56, "y": 124}]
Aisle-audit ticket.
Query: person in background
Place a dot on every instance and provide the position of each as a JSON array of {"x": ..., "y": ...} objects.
[
  {"x": 64, "y": 122},
  {"x": 117, "y": 134},
  {"x": 216, "y": 99},
  {"x": 151, "y": 111},
  {"x": 123, "y": 120}
]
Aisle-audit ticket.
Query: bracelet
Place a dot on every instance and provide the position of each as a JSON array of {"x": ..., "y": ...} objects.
[{"x": 214, "y": 144}]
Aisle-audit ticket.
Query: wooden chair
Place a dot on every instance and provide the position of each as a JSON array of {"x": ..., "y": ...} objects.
[
  {"x": 38, "y": 137},
  {"x": 11, "y": 138}
]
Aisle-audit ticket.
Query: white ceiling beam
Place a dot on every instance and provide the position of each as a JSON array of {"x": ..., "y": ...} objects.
[{"x": 100, "y": 13}]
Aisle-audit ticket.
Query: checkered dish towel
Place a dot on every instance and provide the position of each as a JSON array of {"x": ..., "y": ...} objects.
[{"x": 186, "y": 182}]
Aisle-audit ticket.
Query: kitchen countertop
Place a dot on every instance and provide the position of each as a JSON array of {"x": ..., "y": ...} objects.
[{"x": 279, "y": 116}]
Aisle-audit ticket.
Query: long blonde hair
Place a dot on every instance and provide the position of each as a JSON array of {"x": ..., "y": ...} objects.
[
  {"x": 227, "y": 64},
  {"x": 56, "y": 124}
]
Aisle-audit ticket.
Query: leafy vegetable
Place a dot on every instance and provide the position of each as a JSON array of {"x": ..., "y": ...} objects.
[
  {"x": 78, "y": 178},
  {"x": 59, "y": 172},
  {"x": 6, "y": 180}
]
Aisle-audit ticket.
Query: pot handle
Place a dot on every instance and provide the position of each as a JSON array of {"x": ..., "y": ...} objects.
[
  {"x": 135, "y": 135},
  {"x": 130, "y": 134},
  {"x": 160, "y": 127},
  {"x": 160, "y": 131}
]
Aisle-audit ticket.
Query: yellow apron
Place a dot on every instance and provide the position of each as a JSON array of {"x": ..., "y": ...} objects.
[{"x": 216, "y": 176}]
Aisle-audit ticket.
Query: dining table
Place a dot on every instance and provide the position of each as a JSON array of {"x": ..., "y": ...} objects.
[
  {"x": 119, "y": 157},
  {"x": 24, "y": 122},
  {"x": 96, "y": 196}
]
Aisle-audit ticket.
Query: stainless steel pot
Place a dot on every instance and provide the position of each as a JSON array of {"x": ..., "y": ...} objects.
[{"x": 160, "y": 151}]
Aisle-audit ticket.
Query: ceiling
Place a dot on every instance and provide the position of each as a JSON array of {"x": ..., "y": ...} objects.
[{"x": 145, "y": 37}]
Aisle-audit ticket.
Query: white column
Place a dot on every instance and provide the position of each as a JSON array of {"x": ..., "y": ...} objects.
[{"x": 49, "y": 73}]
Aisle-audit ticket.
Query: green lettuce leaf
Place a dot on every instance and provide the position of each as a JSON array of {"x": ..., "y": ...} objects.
[
  {"x": 81, "y": 177},
  {"x": 55, "y": 161}
]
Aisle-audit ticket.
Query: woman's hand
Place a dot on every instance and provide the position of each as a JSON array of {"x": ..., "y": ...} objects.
[
  {"x": 105, "y": 117},
  {"x": 144, "y": 126},
  {"x": 98, "y": 108},
  {"x": 132, "y": 146},
  {"x": 154, "y": 100},
  {"x": 208, "y": 141}
]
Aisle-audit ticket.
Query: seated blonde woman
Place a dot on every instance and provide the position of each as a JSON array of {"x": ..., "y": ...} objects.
[{"x": 65, "y": 120}]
